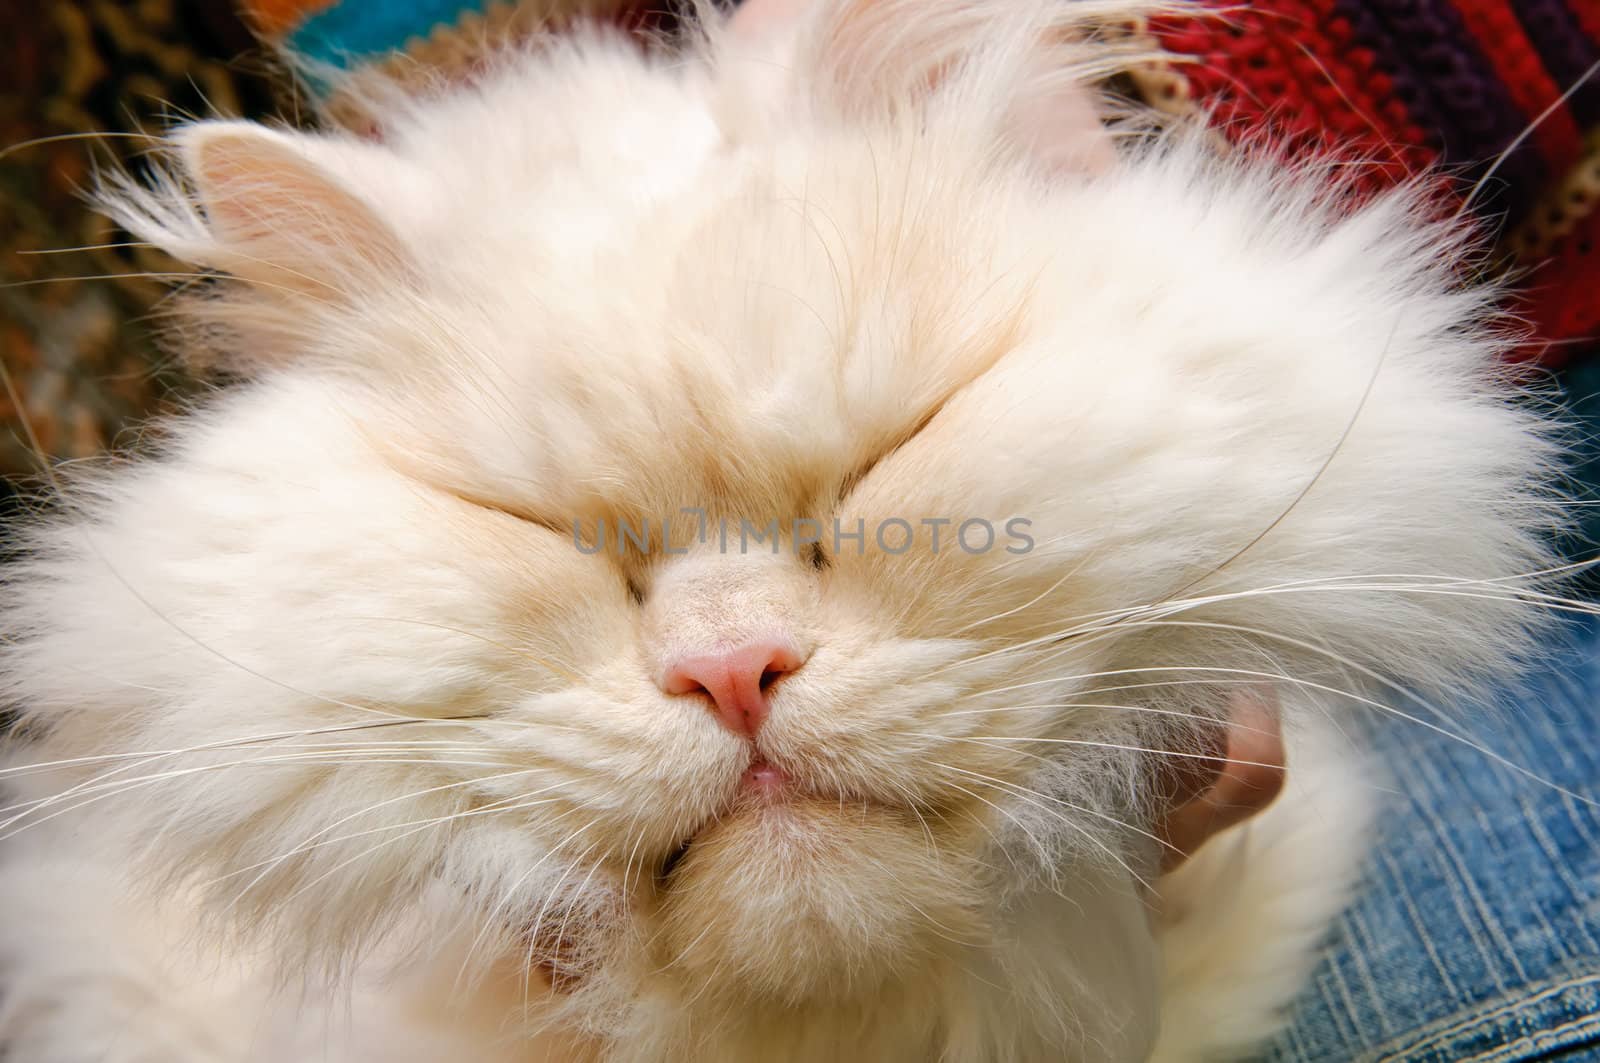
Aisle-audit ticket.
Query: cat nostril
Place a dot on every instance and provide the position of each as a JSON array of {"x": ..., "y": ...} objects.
[{"x": 736, "y": 680}]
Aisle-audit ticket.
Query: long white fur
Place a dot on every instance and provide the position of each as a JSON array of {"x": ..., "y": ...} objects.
[{"x": 362, "y": 748}]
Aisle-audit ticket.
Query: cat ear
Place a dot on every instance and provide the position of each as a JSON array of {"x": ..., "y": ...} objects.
[
  {"x": 1026, "y": 68},
  {"x": 277, "y": 209}
]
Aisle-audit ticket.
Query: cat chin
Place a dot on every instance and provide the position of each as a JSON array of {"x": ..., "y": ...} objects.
[{"x": 809, "y": 900}]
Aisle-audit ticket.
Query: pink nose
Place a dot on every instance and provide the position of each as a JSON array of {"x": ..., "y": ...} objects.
[{"x": 736, "y": 680}]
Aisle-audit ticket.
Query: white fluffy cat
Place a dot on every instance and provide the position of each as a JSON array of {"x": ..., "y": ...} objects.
[{"x": 336, "y": 743}]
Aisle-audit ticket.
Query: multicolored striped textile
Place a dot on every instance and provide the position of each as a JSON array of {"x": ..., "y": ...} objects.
[
  {"x": 331, "y": 43},
  {"x": 345, "y": 33},
  {"x": 1500, "y": 96}
]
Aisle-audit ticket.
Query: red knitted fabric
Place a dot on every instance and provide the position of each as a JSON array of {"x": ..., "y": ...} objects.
[{"x": 1404, "y": 87}]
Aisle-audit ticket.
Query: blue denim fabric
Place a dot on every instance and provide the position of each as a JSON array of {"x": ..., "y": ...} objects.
[{"x": 1477, "y": 935}]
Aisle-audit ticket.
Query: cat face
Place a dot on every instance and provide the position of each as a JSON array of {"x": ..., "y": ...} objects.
[{"x": 748, "y": 528}]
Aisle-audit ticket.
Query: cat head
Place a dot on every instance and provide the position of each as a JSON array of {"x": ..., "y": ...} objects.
[{"x": 741, "y": 523}]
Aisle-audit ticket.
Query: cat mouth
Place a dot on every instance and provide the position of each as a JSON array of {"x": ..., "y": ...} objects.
[
  {"x": 763, "y": 788},
  {"x": 763, "y": 783},
  {"x": 674, "y": 858}
]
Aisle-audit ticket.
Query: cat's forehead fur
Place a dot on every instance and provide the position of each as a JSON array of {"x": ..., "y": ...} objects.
[
  {"x": 668, "y": 303},
  {"x": 760, "y": 313}
]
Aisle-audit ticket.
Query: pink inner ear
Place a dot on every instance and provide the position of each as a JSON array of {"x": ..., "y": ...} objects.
[
  {"x": 277, "y": 215},
  {"x": 1058, "y": 125},
  {"x": 1062, "y": 130}
]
